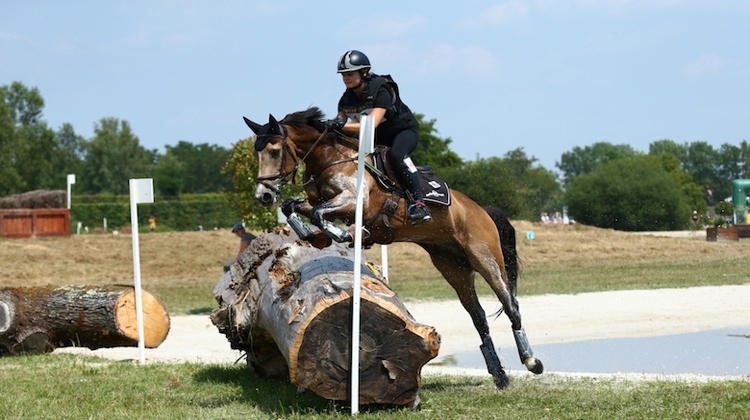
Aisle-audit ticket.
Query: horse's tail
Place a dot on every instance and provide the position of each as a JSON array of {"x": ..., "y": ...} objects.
[{"x": 508, "y": 243}]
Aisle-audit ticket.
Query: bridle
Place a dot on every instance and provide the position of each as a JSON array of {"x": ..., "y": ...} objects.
[{"x": 286, "y": 150}]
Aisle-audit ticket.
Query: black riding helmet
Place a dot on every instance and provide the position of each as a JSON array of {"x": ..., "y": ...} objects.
[{"x": 353, "y": 60}]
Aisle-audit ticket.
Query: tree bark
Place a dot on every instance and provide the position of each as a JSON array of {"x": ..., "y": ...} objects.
[
  {"x": 288, "y": 306},
  {"x": 39, "y": 319}
]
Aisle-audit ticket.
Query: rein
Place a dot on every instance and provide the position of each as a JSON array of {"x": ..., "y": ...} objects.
[{"x": 285, "y": 177}]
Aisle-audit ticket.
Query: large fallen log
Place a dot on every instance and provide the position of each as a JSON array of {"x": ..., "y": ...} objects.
[
  {"x": 39, "y": 319},
  {"x": 288, "y": 306}
]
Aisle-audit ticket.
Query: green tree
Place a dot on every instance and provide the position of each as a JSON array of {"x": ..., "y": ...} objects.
[
  {"x": 694, "y": 194},
  {"x": 202, "y": 165},
  {"x": 433, "y": 150},
  {"x": 581, "y": 161},
  {"x": 669, "y": 147},
  {"x": 10, "y": 180},
  {"x": 67, "y": 154},
  {"x": 489, "y": 182},
  {"x": 632, "y": 194},
  {"x": 169, "y": 175},
  {"x": 242, "y": 168},
  {"x": 702, "y": 163},
  {"x": 113, "y": 157},
  {"x": 26, "y": 143}
]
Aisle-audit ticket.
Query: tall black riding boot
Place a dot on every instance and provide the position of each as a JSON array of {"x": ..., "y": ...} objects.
[{"x": 418, "y": 211}]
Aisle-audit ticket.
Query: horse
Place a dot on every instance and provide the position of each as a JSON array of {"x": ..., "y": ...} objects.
[{"x": 459, "y": 240}]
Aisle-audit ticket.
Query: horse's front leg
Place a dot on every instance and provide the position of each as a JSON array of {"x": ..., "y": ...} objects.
[
  {"x": 320, "y": 216},
  {"x": 340, "y": 207}
]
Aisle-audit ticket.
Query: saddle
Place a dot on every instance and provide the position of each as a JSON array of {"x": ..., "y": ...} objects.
[{"x": 434, "y": 190}]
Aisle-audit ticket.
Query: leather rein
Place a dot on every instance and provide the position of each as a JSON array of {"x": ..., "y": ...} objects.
[{"x": 286, "y": 150}]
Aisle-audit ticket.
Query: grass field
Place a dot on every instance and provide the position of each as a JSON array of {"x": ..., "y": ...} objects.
[{"x": 183, "y": 268}]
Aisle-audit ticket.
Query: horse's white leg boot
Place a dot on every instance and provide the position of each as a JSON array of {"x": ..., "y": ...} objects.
[
  {"x": 524, "y": 352},
  {"x": 336, "y": 233}
]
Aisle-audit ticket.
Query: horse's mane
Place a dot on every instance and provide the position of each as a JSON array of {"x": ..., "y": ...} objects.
[{"x": 312, "y": 116}]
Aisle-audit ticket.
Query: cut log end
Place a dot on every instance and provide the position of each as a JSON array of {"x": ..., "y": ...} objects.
[
  {"x": 5, "y": 317},
  {"x": 155, "y": 318},
  {"x": 390, "y": 347}
]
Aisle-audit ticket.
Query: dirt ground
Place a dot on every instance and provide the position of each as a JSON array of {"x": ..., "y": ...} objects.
[{"x": 547, "y": 319}]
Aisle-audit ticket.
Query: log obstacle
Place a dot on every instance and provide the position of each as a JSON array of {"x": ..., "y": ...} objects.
[
  {"x": 40, "y": 319},
  {"x": 288, "y": 306}
]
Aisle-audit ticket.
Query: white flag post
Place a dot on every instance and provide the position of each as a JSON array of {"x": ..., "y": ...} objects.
[
  {"x": 384, "y": 261},
  {"x": 366, "y": 140},
  {"x": 71, "y": 181},
  {"x": 141, "y": 191}
]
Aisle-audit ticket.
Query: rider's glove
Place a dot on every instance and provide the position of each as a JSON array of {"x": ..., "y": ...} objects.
[{"x": 335, "y": 124}]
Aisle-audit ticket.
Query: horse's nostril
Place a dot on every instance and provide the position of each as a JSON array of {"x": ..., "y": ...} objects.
[{"x": 267, "y": 198}]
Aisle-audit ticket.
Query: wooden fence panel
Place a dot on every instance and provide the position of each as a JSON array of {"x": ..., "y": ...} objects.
[{"x": 32, "y": 223}]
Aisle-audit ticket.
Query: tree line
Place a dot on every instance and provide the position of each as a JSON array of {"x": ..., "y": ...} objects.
[
  {"x": 35, "y": 156},
  {"x": 603, "y": 184}
]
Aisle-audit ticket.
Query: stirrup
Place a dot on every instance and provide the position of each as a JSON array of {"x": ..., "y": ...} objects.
[{"x": 419, "y": 214}]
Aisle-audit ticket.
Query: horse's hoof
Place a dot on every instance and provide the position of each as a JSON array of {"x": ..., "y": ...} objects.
[
  {"x": 502, "y": 381},
  {"x": 534, "y": 365}
]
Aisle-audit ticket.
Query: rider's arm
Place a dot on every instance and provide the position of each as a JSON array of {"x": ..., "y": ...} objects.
[
  {"x": 382, "y": 100},
  {"x": 353, "y": 127}
]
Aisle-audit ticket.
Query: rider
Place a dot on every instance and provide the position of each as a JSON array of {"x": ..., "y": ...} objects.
[{"x": 395, "y": 125}]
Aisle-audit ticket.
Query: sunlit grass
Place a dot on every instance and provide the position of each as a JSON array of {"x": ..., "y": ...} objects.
[{"x": 64, "y": 386}]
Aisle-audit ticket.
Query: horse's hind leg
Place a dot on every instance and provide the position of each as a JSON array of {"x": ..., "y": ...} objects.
[
  {"x": 522, "y": 342},
  {"x": 485, "y": 263},
  {"x": 460, "y": 275}
]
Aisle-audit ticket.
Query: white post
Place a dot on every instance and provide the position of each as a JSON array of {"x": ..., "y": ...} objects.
[
  {"x": 366, "y": 140},
  {"x": 384, "y": 261},
  {"x": 71, "y": 181},
  {"x": 141, "y": 191}
]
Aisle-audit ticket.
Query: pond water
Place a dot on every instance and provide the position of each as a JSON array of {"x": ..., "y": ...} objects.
[{"x": 715, "y": 353}]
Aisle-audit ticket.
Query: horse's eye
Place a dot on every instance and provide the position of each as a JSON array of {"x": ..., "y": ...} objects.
[{"x": 275, "y": 153}]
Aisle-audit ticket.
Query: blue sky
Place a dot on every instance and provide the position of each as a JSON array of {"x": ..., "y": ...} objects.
[{"x": 545, "y": 75}]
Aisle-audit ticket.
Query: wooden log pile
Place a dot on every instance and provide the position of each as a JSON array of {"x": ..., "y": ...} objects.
[
  {"x": 288, "y": 306},
  {"x": 39, "y": 319}
]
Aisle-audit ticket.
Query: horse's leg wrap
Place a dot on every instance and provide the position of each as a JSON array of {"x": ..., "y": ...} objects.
[
  {"x": 299, "y": 227},
  {"x": 336, "y": 233},
  {"x": 524, "y": 352},
  {"x": 494, "y": 367}
]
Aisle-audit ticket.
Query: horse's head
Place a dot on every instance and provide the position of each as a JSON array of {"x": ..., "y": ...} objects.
[{"x": 277, "y": 161}]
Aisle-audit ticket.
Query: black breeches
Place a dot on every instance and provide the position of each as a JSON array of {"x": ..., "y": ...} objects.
[{"x": 402, "y": 145}]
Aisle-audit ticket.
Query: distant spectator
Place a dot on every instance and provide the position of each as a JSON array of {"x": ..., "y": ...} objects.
[
  {"x": 695, "y": 219},
  {"x": 245, "y": 237},
  {"x": 152, "y": 223}
]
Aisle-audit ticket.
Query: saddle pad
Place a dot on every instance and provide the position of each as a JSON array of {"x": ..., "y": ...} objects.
[{"x": 434, "y": 190}]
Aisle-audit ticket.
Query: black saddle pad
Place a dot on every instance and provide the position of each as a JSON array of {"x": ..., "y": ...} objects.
[{"x": 434, "y": 190}]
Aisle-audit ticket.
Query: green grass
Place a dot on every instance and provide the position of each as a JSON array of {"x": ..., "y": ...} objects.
[
  {"x": 75, "y": 387},
  {"x": 589, "y": 276}
]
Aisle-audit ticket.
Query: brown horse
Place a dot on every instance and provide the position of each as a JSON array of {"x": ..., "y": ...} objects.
[{"x": 462, "y": 239}]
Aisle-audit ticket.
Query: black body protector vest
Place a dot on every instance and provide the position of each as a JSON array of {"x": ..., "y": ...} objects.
[{"x": 398, "y": 116}]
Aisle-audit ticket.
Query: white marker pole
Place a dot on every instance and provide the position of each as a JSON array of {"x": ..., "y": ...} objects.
[
  {"x": 366, "y": 140},
  {"x": 71, "y": 181},
  {"x": 384, "y": 261},
  {"x": 141, "y": 191}
]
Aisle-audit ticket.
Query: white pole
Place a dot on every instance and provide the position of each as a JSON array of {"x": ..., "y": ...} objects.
[
  {"x": 366, "y": 139},
  {"x": 141, "y": 191},
  {"x": 71, "y": 180},
  {"x": 384, "y": 261}
]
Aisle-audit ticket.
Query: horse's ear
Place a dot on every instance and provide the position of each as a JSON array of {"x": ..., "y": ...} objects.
[
  {"x": 274, "y": 126},
  {"x": 253, "y": 126}
]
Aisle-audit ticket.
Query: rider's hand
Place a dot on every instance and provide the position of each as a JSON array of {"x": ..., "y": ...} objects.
[
  {"x": 335, "y": 124},
  {"x": 287, "y": 207}
]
